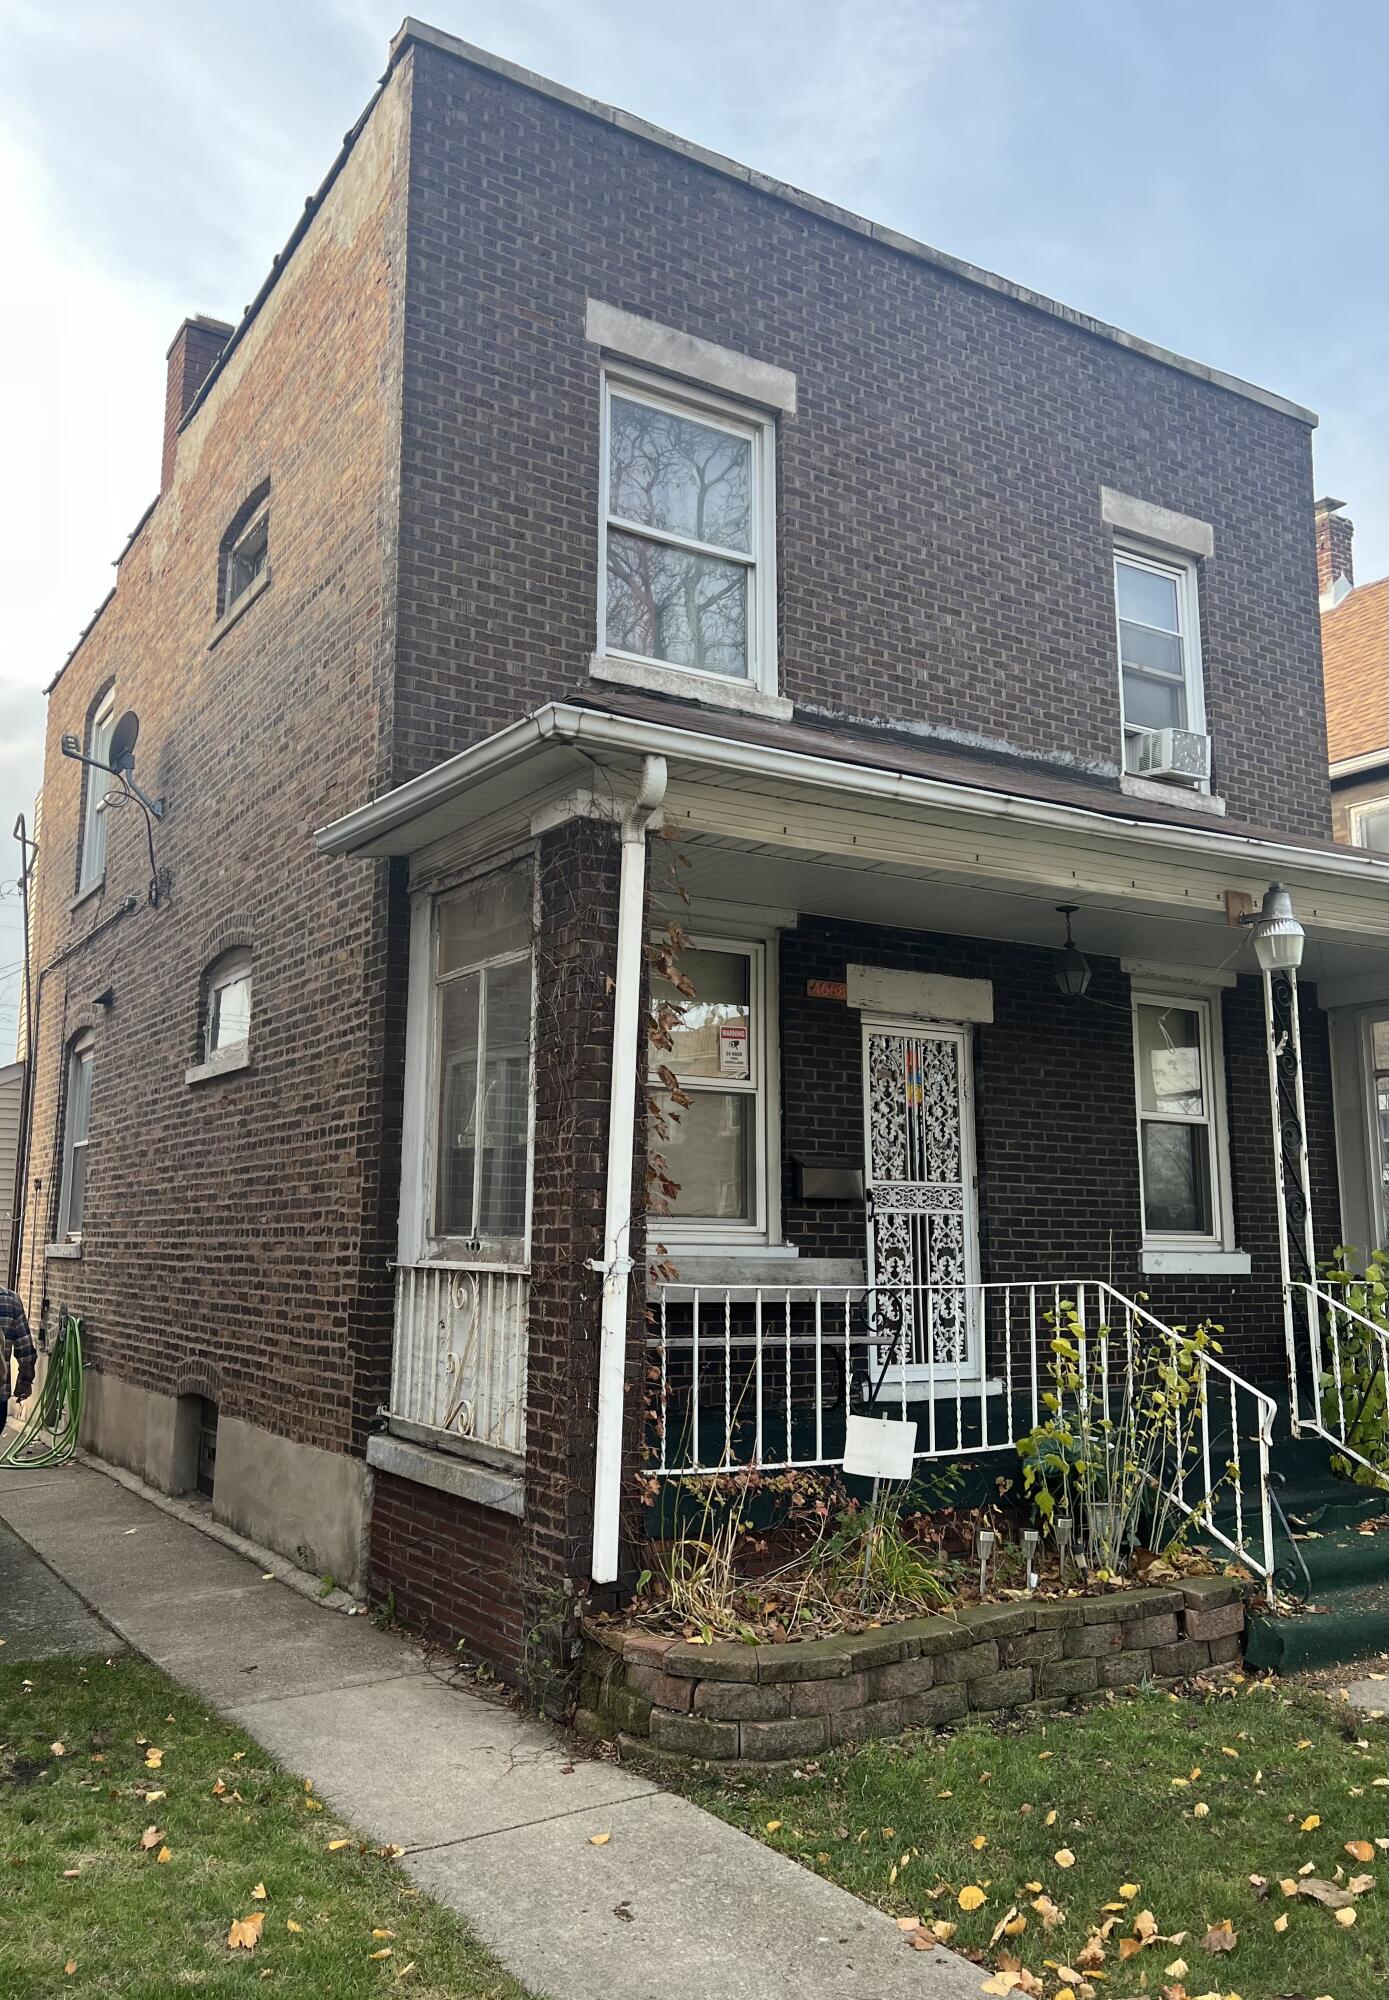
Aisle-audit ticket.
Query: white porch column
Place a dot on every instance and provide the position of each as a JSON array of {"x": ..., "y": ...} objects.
[{"x": 616, "y": 1264}]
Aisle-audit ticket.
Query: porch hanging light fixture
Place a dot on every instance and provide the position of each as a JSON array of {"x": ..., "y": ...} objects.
[
  {"x": 1278, "y": 936},
  {"x": 1072, "y": 966}
]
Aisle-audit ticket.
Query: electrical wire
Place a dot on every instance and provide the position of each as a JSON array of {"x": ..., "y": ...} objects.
[{"x": 49, "y": 1434}]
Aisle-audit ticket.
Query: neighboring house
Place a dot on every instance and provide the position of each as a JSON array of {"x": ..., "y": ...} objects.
[
  {"x": 1355, "y": 668},
  {"x": 582, "y": 533},
  {"x": 11, "y": 1100}
]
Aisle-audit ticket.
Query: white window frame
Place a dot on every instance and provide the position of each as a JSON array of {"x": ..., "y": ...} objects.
[
  {"x": 96, "y": 783},
  {"x": 763, "y": 1227},
  {"x": 1358, "y": 814},
  {"x": 1375, "y": 1146},
  {"x": 234, "y": 965},
  {"x": 1207, "y": 1008},
  {"x": 419, "y": 1242},
  {"x": 256, "y": 528},
  {"x": 1184, "y": 571},
  {"x": 81, "y": 1054},
  {"x": 759, "y": 429}
]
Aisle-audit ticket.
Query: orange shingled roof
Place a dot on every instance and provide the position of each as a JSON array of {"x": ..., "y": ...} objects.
[{"x": 1355, "y": 665}]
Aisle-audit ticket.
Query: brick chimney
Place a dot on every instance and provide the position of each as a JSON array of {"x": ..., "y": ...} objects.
[
  {"x": 195, "y": 348},
  {"x": 1335, "y": 566}
]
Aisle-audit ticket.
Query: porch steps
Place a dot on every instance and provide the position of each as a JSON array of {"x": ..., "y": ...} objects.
[{"x": 1342, "y": 1535}]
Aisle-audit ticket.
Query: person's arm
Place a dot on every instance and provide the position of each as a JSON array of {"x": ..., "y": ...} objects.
[{"x": 17, "y": 1337}]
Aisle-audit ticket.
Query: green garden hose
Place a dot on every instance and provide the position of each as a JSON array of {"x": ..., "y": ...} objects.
[{"x": 49, "y": 1435}]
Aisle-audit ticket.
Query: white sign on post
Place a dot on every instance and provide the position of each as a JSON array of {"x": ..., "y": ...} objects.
[{"x": 879, "y": 1448}]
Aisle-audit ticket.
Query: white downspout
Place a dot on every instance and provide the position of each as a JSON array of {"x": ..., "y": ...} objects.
[{"x": 616, "y": 1263}]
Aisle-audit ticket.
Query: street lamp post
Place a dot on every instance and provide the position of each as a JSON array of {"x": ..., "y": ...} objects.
[{"x": 1278, "y": 944}]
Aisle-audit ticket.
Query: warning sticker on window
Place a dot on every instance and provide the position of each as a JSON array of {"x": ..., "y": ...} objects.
[{"x": 733, "y": 1049}]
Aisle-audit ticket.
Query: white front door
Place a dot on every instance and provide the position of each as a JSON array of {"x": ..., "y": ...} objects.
[{"x": 923, "y": 1251}]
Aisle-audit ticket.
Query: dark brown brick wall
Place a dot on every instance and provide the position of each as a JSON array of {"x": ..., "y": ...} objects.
[
  {"x": 942, "y": 559},
  {"x": 1056, "y": 1125},
  {"x": 242, "y": 1226}
]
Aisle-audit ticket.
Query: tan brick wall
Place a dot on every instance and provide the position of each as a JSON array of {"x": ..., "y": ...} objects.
[{"x": 235, "y": 1231}]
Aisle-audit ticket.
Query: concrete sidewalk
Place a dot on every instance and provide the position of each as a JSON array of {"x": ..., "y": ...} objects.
[{"x": 493, "y": 1811}]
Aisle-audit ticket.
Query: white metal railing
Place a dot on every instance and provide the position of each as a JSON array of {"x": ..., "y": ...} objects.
[
  {"x": 762, "y": 1376},
  {"x": 1349, "y": 1392},
  {"x": 459, "y": 1367}
]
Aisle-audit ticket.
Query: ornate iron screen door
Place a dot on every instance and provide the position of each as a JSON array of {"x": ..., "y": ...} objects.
[{"x": 922, "y": 1232}]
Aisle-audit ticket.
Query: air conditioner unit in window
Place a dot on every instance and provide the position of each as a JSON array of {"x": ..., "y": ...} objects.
[{"x": 1172, "y": 753}]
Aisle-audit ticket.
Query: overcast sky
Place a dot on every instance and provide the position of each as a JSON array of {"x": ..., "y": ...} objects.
[{"x": 1208, "y": 173}]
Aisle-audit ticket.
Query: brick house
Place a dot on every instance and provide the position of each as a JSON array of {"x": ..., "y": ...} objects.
[
  {"x": 1355, "y": 670},
  {"x": 583, "y": 533}
]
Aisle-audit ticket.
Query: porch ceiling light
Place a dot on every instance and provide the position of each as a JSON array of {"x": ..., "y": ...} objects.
[
  {"x": 1278, "y": 936},
  {"x": 1072, "y": 966}
]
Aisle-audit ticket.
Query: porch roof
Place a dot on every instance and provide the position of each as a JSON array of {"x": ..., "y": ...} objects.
[{"x": 827, "y": 819}]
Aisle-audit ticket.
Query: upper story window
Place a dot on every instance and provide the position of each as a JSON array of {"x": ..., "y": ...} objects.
[
  {"x": 688, "y": 579},
  {"x": 77, "y": 1119},
  {"x": 1159, "y": 650},
  {"x": 244, "y": 554},
  {"x": 228, "y": 1003},
  {"x": 716, "y": 1146},
  {"x": 96, "y": 783},
  {"x": 1369, "y": 825},
  {"x": 482, "y": 1043},
  {"x": 1183, "y": 1155}
]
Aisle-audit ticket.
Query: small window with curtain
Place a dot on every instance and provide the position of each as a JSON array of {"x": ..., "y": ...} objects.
[
  {"x": 482, "y": 1040},
  {"x": 228, "y": 1004},
  {"x": 96, "y": 783},
  {"x": 1182, "y": 1142},
  {"x": 77, "y": 1120}
]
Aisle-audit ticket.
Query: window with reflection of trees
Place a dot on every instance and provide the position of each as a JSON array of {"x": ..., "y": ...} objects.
[{"x": 682, "y": 555}]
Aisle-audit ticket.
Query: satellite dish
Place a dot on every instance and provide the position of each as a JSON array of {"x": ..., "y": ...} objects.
[{"x": 121, "y": 755}]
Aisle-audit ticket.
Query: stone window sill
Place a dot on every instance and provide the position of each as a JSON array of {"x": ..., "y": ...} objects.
[
  {"x": 72, "y": 1251},
  {"x": 239, "y": 609},
  {"x": 484, "y": 1485},
  {"x": 85, "y": 895},
  {"x": 1171, "y": 794},
  {"x": 1196, "y": 1263},
  {"x": 703, "y": 689},
  {"x": 225, "y": 1063}
]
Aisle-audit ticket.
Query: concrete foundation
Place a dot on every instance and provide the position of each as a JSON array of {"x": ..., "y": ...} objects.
[{"x": 311, "y": 1505}]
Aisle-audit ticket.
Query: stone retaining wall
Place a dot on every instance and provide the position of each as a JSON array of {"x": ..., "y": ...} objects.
[{"x": 767, "y": 1703}]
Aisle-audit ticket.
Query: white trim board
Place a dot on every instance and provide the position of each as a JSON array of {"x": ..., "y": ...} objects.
[{"x": 920, "y": 996}]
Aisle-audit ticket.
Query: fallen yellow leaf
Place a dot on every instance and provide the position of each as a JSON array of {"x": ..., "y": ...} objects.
[
  {"x": 1128, "y": 1890},
  {"x": 244, "y": 1934},
  {"x": 979, "y": 1841},
  {"x": 59, "y": 1749},
  {"x": 290, "y": 1925},
  {"x": 1311, "y": 1823},
  {"x": 70, "y": 1967},
  {"x": 258, "y": 1893},
  {"x": 599, "y": 1839},
  {"x": 1050, "y": 1819},
  {"x": 1281, "y": 1923},
  {"x": 165, "y": 1854},
  {"x": 379, "y": 1930},
  {"x": 971, "y": 1897},
  {"x": 1178, "y": 1969},
  {"x": 1345, "y": 1918},
  {"x": 942, "y": 1930},
  {"x": 334, "y": 1845},
  {"x": 1288, "y": 1884},
  {"x": 385, "y": 1952},
  {"x": 1064, "y": 1858},
  {"x": 1360, "y": 1850},
  {"x": 772, "y": 1825},
  {"x": 1200, "y": 1810}
]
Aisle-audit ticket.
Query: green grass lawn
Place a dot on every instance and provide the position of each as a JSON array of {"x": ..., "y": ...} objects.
[
  {"x": 89, "y": 1910},
  {"x": 1167, "y": 1806}
]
